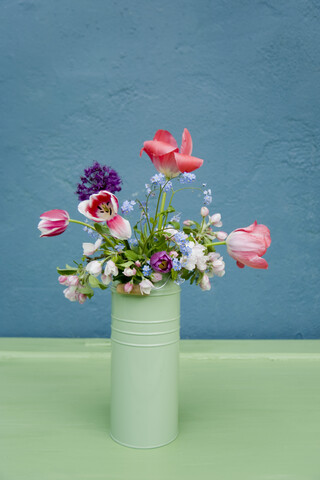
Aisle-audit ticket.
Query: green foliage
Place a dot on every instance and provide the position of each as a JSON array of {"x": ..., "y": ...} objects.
[
  {"x": 131, "y": 255},
  {"x": 95, "y": 283},
  {"x": 67, "y": 271}
]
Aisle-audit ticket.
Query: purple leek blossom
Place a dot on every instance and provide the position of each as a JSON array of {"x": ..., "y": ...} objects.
[{"x": 96, "y": 178}]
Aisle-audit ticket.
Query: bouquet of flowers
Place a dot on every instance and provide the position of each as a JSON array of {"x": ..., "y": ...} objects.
[{"x": 159, "y": 247}]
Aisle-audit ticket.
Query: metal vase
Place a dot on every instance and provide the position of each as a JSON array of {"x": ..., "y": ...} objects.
[{"x": 145, "y": 333}]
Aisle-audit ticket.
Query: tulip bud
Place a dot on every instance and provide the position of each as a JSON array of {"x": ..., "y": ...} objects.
[
  {"x": 53, "y": 222},
  {"x": 137, "y": 264}
]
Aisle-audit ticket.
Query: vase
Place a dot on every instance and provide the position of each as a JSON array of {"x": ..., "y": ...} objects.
[{"x": 145, "y": 334}]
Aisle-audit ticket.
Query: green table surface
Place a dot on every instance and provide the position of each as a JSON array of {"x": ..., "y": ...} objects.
[{"x": 248, "y": 410}]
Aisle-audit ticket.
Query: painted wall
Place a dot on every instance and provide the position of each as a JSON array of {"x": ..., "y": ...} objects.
[{"x": 85, "y": 80}]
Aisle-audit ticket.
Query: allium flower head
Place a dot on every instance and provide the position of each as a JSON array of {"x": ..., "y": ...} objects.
[{"x": 97, "y": 178}]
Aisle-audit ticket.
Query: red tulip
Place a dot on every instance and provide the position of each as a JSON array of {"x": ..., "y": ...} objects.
[
  {"x": 247, "y": 245},
  {"x": 165, "y": 155},
  {"x": 53, "y": 222}
]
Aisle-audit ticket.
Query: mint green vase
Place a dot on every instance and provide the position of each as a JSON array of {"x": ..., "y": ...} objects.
[{"x": 145, "y": 333}]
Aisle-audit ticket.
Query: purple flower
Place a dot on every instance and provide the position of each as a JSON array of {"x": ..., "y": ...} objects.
[
  {"x": 161, "y": 262},
  {"x": 97, "y": 178}
]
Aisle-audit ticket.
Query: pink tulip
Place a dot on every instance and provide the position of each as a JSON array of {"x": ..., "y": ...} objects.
[
  {"x": 119, "y": 228},
  {"x": 247, "y": 245},
  {"x": 100, "y": 207},
  {"x": 53, "y": 222},
  {"x": 103, "y": 207},
  {"x": 165, "y": 155}
]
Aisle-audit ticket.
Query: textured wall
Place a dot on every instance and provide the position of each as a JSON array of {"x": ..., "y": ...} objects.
[{"x": 83, "y": 80}]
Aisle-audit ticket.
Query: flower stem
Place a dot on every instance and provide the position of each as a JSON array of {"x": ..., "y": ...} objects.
[
  {"x": 163, "y": 202},
  {"x": 216, "y": 243},
  {"x": 82, "y": 223}
]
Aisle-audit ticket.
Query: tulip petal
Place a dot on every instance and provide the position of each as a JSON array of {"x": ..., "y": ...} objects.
[
  {"x": 155, "y": 148},
  {"x": 240, "y": 265},
  {"x": 186, "y": 163},
  {"x": 55, "y": 214},
  {"x": 251, "y": 260},
  {"x": 165, "y": 137},
  {"x": 119, "y": 227},
  {"x": 167, "y": 165},
  {"x": 186, "y": 145}
]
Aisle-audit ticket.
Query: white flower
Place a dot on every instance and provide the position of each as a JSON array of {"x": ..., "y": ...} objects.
[
  {"x": 216, "y": 265},
  {"x": 205, "y": 283},
  {"x": 71, "y": 294},
  {"x": 204, "y": 211},
  {"x": 111, "y": 268},
  {"x": 145, "y": 286},
  {"x": 90, "y": 248},
  {"x": 169, "y": 232},
  {"x": 129, "y": 272},
  {"x": 197, "y": 258},
  {"x": 72, "y": 281},
  {"x": 156, "y": 277},
  {"x": 216, "y": 220},
  {"x": 94, "y": 268},
  {"x": 106, "y": 279}
]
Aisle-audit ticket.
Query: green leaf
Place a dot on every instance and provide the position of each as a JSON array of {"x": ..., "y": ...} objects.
[
  {"x": 186, "y": 274},
  {"x": 131, "y": 255},
  {"x": 86, "y": 289},
  {"x": 175, "y": 225},
  {"x": 174, "y": 274},
  {"x": 99, "y": 228},
  {"x": 199, "y": 278},
  {"x": 67, "y": 271},
  {"x": 193, "y": 278},
  {"x": 170, "y": 209},
  {"x": 94, "y": 282},
  {"x": 126, "y": 264}
]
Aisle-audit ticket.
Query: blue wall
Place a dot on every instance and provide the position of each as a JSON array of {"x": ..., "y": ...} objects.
[{"x": 85, "y": 80}]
